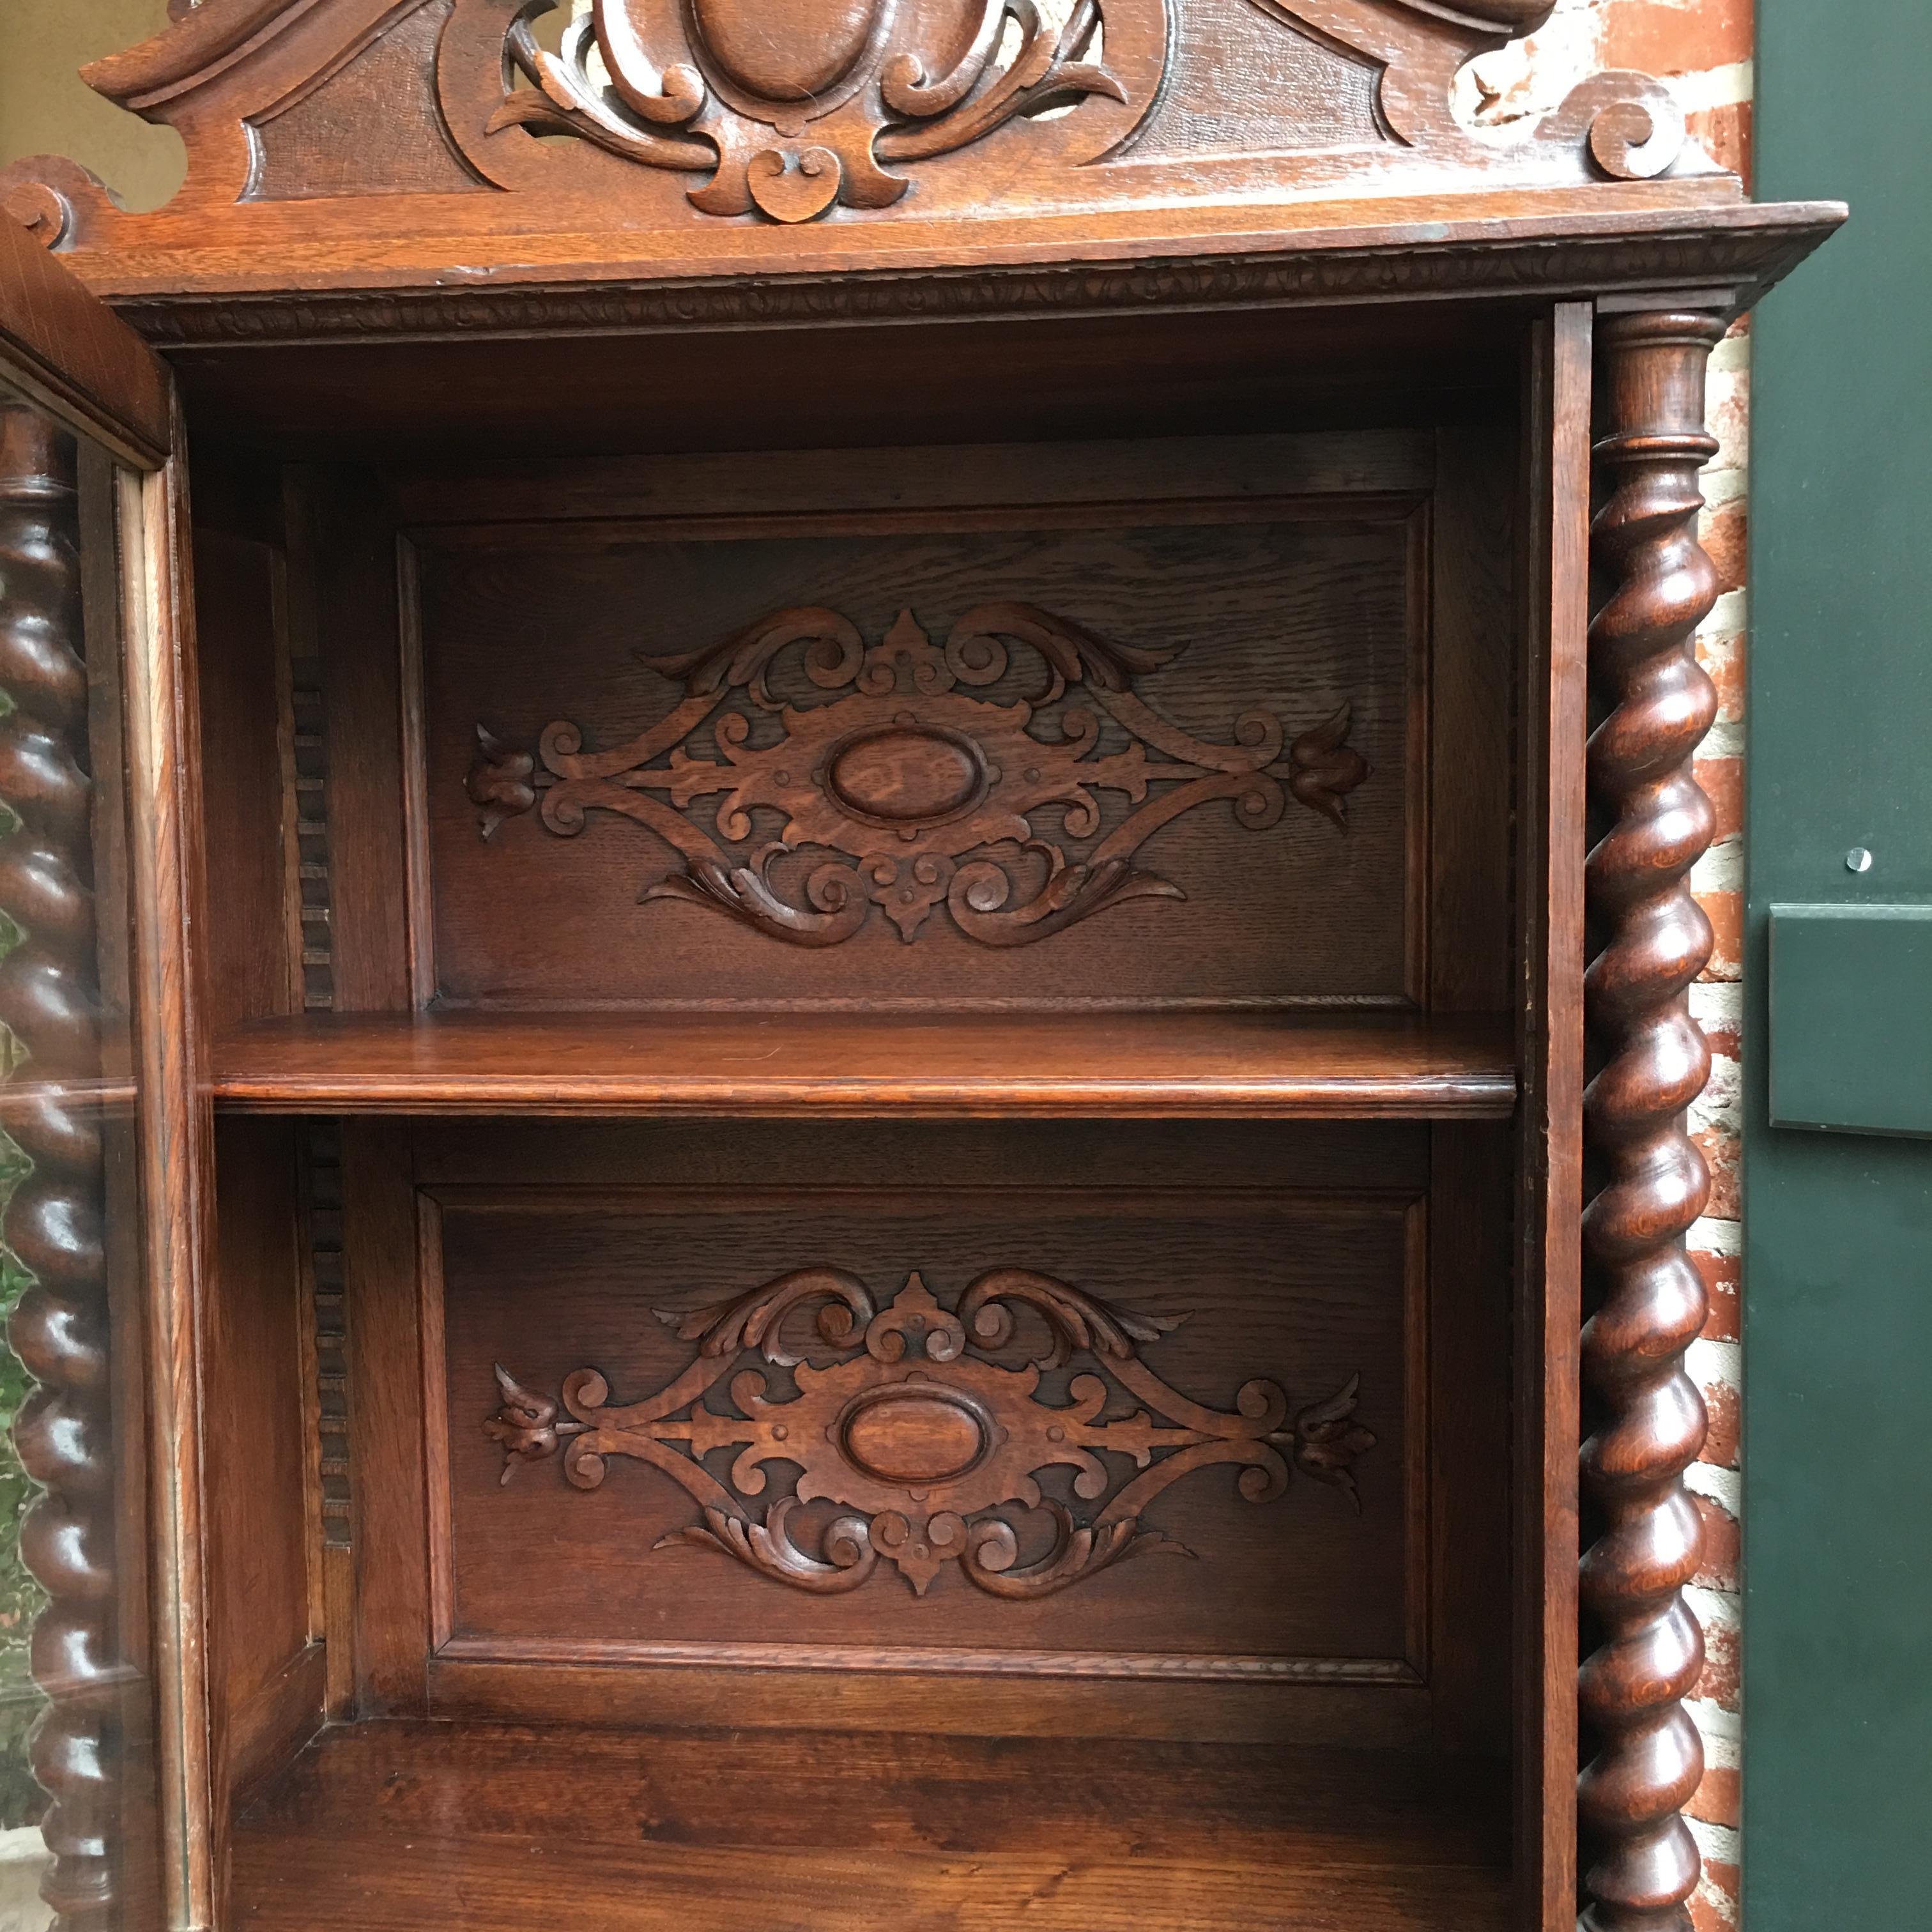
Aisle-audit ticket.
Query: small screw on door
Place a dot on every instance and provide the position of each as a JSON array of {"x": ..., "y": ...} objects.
[{"x": 1858, "y": 859}]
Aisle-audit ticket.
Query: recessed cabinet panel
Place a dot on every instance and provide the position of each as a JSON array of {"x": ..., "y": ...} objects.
[
  {"x": 1169, "y": 1433},
  {"x": 990, "y": 756}
]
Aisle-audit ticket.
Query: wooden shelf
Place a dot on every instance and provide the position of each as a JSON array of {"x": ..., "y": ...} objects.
[
  {"x": 1147, "y": 1064},
  {"x": 390, "y": 1826}
]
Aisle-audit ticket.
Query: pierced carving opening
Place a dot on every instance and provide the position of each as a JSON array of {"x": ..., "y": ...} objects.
[{"x": 792, "y": 110}]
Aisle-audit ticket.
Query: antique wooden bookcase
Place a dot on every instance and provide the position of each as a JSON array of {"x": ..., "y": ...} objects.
[{"x": 871, "y": 1139}]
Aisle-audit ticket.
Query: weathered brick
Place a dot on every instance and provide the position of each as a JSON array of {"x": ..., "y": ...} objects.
[
  {"x": 1718, "y": 1568},
  {"x": 1665, "y": 37},
  {"x": 1723, "y": 654},
  {"x": 1721, "y": 1401},
  {"x": 1723, "y": 780},
  {"x": 1719, "y": 1146},
  {"x": 1727, "y": 415},
  {"x": 1714, "y": 1907},
  {"x": 1726, "y": 912},
  {"x": 1720, "y": 1798},
  {"x": 1725, "y": 540},
  {"x": 1721, "y": 1678},
  {"x": 1721, "y": 1274},
  {"x": 1724, "y": 134}
]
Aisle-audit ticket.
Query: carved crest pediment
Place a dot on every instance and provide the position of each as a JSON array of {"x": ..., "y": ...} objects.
[{"x": 643, "y": 114}]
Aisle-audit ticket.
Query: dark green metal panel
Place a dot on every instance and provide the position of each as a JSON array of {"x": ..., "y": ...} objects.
[
  {"x": 1851, "y": 1018},
  {"x": 1838, "y": 1227}
]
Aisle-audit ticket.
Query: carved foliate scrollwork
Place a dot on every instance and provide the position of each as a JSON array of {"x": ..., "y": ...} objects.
[
  {"x": 789, "y": 110},
  {"x": 793, "y": 107},
  {"x": 930, "y": 789},
  {"x": 793, "y": 110},
  {"x": 925, "y": 1436}
]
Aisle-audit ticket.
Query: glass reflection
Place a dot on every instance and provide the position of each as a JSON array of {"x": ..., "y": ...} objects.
[{"x": 76, "y": 1719}]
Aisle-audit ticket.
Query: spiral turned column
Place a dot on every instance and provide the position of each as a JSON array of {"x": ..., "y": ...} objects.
[
  {"x": 1644, "y": 1417},
  {"x": 50, "y": 1000}
]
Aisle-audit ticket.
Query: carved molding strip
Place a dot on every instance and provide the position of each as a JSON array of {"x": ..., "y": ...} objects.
[
  {"x": 925, "y": 1435},
  {"x": 930, "y": 790},
  {"x": 1749, "y": 248}
]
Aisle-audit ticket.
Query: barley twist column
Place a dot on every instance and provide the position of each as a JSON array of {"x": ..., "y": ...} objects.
[
  {"x": 49, "y": 999},
  {"x": 1644, "y": 1417}
]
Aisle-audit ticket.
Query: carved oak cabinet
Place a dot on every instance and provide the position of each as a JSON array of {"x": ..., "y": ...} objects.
[{"x": 846, "y": 868}]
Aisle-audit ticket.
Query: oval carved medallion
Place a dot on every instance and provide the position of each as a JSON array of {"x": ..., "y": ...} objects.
[
  {"x": 785, "y": 50},
  {"x": 915, "y": 1436},
  {"x": 907, "y": 775}
]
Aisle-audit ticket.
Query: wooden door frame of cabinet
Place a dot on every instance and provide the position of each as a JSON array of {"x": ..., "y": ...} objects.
[{"x": 66, "y": 354}]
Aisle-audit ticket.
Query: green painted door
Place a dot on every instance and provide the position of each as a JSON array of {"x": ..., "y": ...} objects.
[{"x": 1838, "y": 1220}]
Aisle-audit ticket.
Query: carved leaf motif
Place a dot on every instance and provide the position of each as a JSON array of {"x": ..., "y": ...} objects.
[
  {"x": 930, "y": 1441},
  {"x": 759, "y": 73},
  {"x": 500, "y": 781},
  {"x": 1327, "y": 1440},
  {"x": 525, "y": 1426},
  {"x": 927, "y": 790},
  {"x": 1324, "y": 768},
  {"x": 755, "y": 1321}
]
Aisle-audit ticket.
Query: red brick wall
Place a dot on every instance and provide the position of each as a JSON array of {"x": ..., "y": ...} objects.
[{"x": 1703, "y": 48}]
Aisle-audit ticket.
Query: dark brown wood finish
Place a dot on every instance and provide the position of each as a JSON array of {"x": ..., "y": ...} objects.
[
  {"x": 268, "y": 1695},
  {"x": 1643, "y": 1651},
  {"x": 1024, "y": 587},
  {"x": 924, "y": 1832},
  {"x": 1325, "y": 1232},
  {"x": 67, "y": 353},
  {"x": 1170, "y": 1064},
  {"x": 1548, "y": 1314}
]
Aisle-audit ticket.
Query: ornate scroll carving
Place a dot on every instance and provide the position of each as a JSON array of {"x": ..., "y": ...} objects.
[
  {"x": 790, "y": 111},
  {"x": 49, "y": 1002},
  {"x": 929, "y": 789},
  {"x": 794, "y": 107},
  {"x": 1643, "y": 1650},
  {"x": 924, "y": 1436}
]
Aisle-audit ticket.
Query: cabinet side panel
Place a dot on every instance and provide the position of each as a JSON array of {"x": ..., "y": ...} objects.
[
  {"x": 266, "y": 1668},
  {"x": 1549, "y": 1307},
  {"x": 252, "y": 959}
]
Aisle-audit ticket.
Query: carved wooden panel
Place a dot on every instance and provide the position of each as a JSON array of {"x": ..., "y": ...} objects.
[
  {"x": 386, "y": 92},
  {"x": 747, "y": 117},
  {"x": 793, "y": 108},
  {"x": 753, "y": 767},
  {"x": 910, "y": 775},
  {"x": 921, "y": 1428},
  {"x": 1230, "y": 1395},
  {"x": 762, "y": 109}
]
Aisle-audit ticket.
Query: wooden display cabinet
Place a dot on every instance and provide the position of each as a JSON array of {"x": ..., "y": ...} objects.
[{"x": 856, "y": 915}]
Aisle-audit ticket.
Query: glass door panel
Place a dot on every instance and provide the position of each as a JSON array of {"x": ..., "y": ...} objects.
[{"x": 80, "y": 1763}]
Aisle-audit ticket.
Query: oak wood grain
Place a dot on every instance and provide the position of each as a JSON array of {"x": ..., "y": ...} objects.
[
  {"x": 924, "y": 1833},
  {"x": 1549, "y": 1291},
  {"x": 64, "y": 350},
  {"x": 1173, "y": 1064}
]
